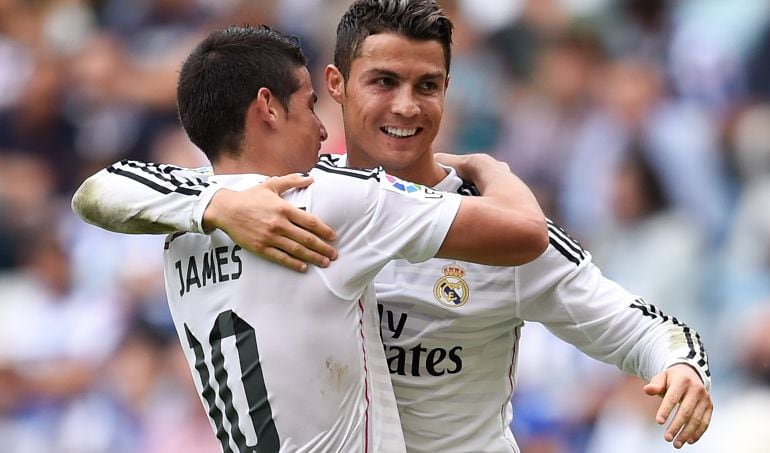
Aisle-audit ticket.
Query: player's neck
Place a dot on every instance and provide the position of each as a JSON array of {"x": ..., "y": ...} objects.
[
  {"x": 262, "y": 162},
  {"x": 427, "y": 175},
  {"x": 426, "y": 172}
]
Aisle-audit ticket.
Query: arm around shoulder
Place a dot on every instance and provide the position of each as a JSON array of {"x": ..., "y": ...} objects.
[
  {"x": 141, "y": 198},
  {"x": 146, "y": 198},
  {"x": 504, "y": 226}
]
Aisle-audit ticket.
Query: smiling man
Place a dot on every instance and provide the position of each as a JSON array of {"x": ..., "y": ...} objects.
[{"x": 392, "y": 102}]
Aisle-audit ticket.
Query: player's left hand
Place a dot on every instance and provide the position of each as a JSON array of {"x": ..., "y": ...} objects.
[
  {"x": 260, "y": 221},
  {"x": 680, "y": 385},
  {"x": 467, "y": 165}
]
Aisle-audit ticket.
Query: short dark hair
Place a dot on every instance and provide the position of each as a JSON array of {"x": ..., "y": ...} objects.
[
  {"x": 422, "y": 20},
  {"x": 222, "y": 76}
]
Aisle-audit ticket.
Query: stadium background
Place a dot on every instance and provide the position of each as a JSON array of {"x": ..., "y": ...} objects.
[{"x": 642, "y": 125}]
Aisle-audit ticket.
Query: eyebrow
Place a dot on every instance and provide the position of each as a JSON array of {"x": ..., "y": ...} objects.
[{"x": 393, "y": 75}]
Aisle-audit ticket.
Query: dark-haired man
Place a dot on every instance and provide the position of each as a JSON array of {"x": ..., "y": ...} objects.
[
  {"x": 288, "y": 361},
  {"x": 451, "y": 329}
]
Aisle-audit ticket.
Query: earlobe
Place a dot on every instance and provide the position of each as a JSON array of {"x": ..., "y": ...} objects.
[{"x": 335, "y": 83}]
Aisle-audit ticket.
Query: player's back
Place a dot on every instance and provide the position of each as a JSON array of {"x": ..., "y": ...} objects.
[{"x": 288, "y": 360}]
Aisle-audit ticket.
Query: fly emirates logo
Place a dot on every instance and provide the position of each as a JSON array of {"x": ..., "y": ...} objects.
[{"x": 416, "y": 360}]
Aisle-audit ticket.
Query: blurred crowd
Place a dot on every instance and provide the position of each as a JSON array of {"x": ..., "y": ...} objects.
[{"x": 643, "y": 126}]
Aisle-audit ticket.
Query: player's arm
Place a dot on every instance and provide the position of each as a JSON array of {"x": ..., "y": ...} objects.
[
  {"x": 568, "y": 294},
  {"x": 504, "y": 226},
  {"x": 145, "y": 198}
]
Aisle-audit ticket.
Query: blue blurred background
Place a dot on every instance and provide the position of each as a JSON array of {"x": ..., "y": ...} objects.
[{"x": 643, "y": 126}]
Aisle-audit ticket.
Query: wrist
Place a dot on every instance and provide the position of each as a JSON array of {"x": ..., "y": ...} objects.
[
  {"x": 698, "y": 370},
  {"x": 213, "y": 209}
]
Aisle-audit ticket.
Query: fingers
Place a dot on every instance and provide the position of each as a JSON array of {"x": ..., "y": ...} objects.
[
  {"x": 670, "y": 400},
  {"x": 314, "y": 225},
  {"x": 283, "y": 259},
  {"x": 281, "y": 184},
  {"x": 262, "y": 222},
  {"x": 697, "y": 423},
  {"x": 694, "y": 408},
  {"x": 656, "y": 386},
  {"x": 705, "y": 421},
  {"x": 296, "y": 250}
]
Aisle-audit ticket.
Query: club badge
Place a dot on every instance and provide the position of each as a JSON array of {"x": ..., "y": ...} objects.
[{"x": 451, "y": 290}]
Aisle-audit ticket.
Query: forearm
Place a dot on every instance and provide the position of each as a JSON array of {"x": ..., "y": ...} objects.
[
  {"x": 505, "y": 225},
  {"x": 503, "y": 191},
  {"x": 138, "y": 198},
  {"x": 495, "y": 180}
]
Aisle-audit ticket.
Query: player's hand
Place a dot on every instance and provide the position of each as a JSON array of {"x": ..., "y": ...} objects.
[
  {"x": 261, "y": 221},
  {"x": 468, "y": 166},
  {"x": 680, "y": 385}
]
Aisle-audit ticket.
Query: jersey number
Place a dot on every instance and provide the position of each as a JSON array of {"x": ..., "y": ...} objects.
[{"x": 229, "y": 324}]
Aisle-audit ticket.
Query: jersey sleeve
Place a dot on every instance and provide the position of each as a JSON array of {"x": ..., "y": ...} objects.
[
  {"x": 145, "y": 198},
  {"x": 378, "y": 218},
  {"x": 568, "y": 294},
  {"x": 410, "y": 220}
]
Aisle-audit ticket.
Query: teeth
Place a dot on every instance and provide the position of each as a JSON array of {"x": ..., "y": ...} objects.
[{"x": 400, "y": 131}]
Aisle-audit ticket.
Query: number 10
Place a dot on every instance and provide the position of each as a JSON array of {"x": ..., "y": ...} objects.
[{"x": 230, "y": 324}]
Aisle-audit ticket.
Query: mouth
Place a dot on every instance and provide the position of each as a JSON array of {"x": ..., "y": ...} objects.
[{"x": 401, "y": 132}]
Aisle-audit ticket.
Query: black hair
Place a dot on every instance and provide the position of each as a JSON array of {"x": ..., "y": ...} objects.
[
  {"x": 422, "y": 20},
  {"x": 222, "y": 76}
]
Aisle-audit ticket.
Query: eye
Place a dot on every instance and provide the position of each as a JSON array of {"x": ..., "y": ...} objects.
[
  {"x": 384, "y": 82},
  {"x": 428, "y": 86}
]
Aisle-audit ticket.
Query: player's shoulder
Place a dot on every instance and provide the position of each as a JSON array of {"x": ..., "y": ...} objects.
[
  {"x": 564, "y": 255},
  {"x": 346, "y": 183},
  {"x": 339, "y": 193},
  {"x": 376, "y": 179},
  {"x": 329, "y": 167}
]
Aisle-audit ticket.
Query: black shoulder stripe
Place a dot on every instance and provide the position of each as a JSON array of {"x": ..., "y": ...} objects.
[
  {"x": 567, "y": 240},
  {"x": 563, "y": 251},
  {"x": 565, "y": 237},
  {"x": 565, "y": 246},
  {"x": 167, "y": 168},
  {"x": 152, "y": 176},
  {"x": 162, "y": 173},
  {"x": 157, "y": 171},
  {"x": 140, "y": 179},
  {"x": 355, "y": 173},
  {"x": 564, "y": 243}
]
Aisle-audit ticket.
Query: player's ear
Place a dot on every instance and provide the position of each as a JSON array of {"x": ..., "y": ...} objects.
[
  {"x": 335, "y": 83},
  {"x": 446, "y": 82},
  {"x": 265, "y": 107}
]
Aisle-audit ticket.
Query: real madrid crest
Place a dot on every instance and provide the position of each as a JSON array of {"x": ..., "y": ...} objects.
[{"x": 451, "y": 290}]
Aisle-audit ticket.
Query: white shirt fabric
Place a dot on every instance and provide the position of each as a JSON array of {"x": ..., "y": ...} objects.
[
  {"x": 453, "y": 359},
  {"x": 290, "y": 359},
  {"x": 450, "y": 329}
]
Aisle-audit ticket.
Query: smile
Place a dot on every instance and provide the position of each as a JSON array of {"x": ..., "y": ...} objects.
[{"x": 401, "y": 132}]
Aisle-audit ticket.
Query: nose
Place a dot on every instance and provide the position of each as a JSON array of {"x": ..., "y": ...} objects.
[{"x": 405, "y": 104}]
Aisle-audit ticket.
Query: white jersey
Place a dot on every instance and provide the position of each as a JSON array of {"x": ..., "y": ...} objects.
[
  {"x": 451, "y": 330},
  {"x": 294, "y": 362}
]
